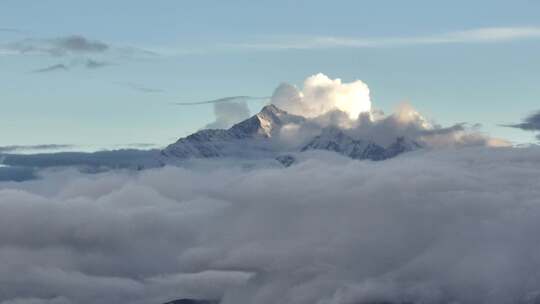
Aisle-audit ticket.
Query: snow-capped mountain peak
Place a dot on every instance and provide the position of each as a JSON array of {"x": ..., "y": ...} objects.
[
  {"x": 265, "y": 123},
  {"x": 269, "y": 119},
  {"x": 256, "y": 136}
]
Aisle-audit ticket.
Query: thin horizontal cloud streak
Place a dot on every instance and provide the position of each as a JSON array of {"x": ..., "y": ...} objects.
[
  {"x": 89, "y": 64},
  {"x": 221, "y": 100},
  {"x": 72, "y": 45},
  {"x": 139, "y": 87},
  {"x": 44, "y": 147},
  {"x": 479, "y": 35},
  {"x": 10, "y": 30},
  {"x": 52, "y": 68},
  {"x": 141, "y": 145},
  {"x": 61, "y": 46},
  {"x": 94, "y": 64},
  {"x": 80, "y": 44}
]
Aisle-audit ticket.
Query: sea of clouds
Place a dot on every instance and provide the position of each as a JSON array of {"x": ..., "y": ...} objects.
[{"x": 440, "y": 226}]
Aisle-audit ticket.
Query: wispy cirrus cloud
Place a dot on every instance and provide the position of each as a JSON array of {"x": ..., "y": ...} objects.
[
  {"x": 61, "y": 46},
  {"x": 76, "y": 49},
  {"x": 52, "y": 68},
  {"x": 71, "y": 45},
  {"x": 477, "y": 35},
  {"x": 11, "y": 30},
  {"x": 87, "y": 64},
  {"x": 95, "y": 64},
  {"x": 139, "y": 87},
  {"x": 241, "y": 98},
  {"x": 79, "y": 45},
  {"x": 26, "y": 148},
  {"x": 483, "y": 35}
]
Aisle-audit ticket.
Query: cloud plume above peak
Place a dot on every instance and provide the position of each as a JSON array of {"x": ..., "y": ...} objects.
[
  {"x": 321, "y": 95},
  {"x": 348, "y": 106}
]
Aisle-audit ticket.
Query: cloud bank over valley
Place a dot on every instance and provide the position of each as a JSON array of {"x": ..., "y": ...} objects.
[{"x": 427, "y": 227}]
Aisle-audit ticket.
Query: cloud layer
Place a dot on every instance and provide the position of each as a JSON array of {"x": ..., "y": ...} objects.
[
  {"x": 431, "y": 227},
  {"x": 321, "y": 95}
]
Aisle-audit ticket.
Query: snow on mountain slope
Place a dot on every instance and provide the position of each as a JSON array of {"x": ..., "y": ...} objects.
[
  {"x": 265, "y": 124},
  {"x": 249, "y": 138},
  {"x": 334, "y": 139},
  {"x": 258, "y": 137}
]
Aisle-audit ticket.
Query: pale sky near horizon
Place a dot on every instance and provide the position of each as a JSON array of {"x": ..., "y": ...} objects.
[{"x": 106, "y": 72}]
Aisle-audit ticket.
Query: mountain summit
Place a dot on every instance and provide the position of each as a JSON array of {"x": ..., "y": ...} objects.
[
  {"x": 260, "y": 137},
  {"x": 265, "y": 123}
]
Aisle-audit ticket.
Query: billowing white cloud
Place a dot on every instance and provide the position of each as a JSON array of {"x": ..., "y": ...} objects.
[
  {"x": 435, "y": 226},
  {"x": 407, "y": 121},
  {"x": 383, "y": 129},
  {"x": 321, "y": 95},
  {"x": 328, "y": 102}
]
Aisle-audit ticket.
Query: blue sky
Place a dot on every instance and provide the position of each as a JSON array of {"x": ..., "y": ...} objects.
[{"x": 455, "y": 61}]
